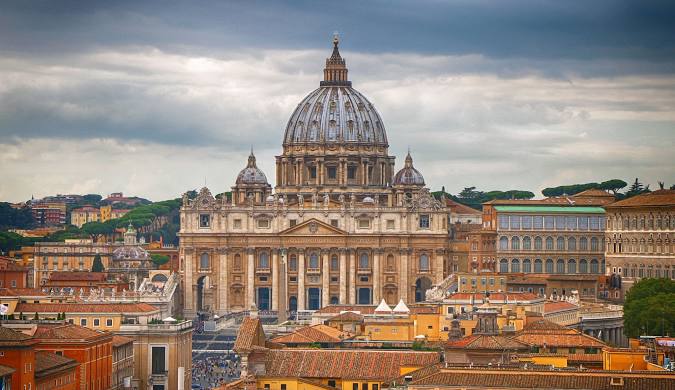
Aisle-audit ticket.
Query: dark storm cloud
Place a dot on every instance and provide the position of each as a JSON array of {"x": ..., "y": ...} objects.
[{"x": 531, "y": 29}]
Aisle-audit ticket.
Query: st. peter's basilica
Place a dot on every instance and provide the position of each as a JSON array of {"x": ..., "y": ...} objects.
[{"x": 341, "y": 226}]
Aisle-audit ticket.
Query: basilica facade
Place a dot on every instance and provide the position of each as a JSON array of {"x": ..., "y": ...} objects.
[{"x": 341, "y": 226}]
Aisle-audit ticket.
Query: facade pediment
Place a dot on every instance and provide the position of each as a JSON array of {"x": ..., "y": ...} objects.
[{"x": 312, "y": 227}]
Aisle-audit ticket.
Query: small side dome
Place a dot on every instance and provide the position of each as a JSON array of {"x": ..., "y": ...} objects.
[
  {"x": 368, "y": 200},
  {"x": 270, "y": 199},
  {"x": 408, "y": 175},
  {"x": 251, "y": 174}
]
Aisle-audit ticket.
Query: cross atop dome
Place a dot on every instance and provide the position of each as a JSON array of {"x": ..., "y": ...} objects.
[{"x": 335, "y": 72}]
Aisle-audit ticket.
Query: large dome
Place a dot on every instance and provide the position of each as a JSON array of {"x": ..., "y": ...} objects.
[
  {"x": 332, "y": 114},
  {"x": 335, "y": 112}
]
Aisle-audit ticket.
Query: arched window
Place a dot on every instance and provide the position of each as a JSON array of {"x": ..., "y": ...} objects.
[
  {"x": 537, "y": 243},
  {"x": 363, "y": 261},
  {"x": 527, "y": 243},
  {"x": 572, "y": 266},
  {"x": 293, "y": 263},
  {"x": 263, "y": 260},
  {"x": 515, "y": 243},
  {"x": 503, "y": 266},
  {"x": 583, "y": 266},
  {"x": 560, "y": 266},
  {"x": 560, "y": 244},
  {"x": 583, "y": 244},
  {"x": 503, "y": 243},
  {"x": 204, "y": 261},
  {"x": 527, "y": 266},
  {"x": 549, "y": 243},
  {"x": 424, "y": 262},
  {"x": 549, "y": 266},
  {"x": 538, "y": 266},
  {"x": 594, "y": 243},
  {"x": 334, "y": 263},
  {"x": 314, "y": 260},
  {"x": 594, "y": 266},
  {"x": 334, "y": 300},
  {"x": 237, "y": 261},
  {"x": 572, "y": 244},
  {"x": 515, "y": 265}
]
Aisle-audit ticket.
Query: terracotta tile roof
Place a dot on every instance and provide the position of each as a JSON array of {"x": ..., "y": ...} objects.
[
  {"x": 347, "y": 316},
  {"x": 595, "y": 193},
  {"x": 490, "y": 342},
  {"x": 660, "y": 198},
  {"x": 22, "y": 292},
  {"x": 250, "y": 335},
  {"x": 546, "y": 326},
  {"x": 4, "y": 370},
  {"x": 555, "y": 201},
  {"x": 118, "y": 341},
  {"x": 559, "y": 340},
  {"x": 313, "y": 334},
  {"x": 553, "y": 307},
  {"x": 67, "y": 332},
  {"x": 344, "y": 364},
  {"x": 78, "y": 276},
  {"x": 584, "y": 357},
  {"x": 548, "y": 379},
  {"x": 47, "y": 363},
  {"x": 459, "y": 208},
  {"x": 512, "y": 296},
  {"x": 85, "y": 308},
  {"x": 370, "y": 309},
  {"x": 12, "y": 337}
]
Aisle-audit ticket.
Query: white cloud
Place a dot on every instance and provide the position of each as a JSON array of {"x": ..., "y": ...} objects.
[{"x": 154, "y": 123}]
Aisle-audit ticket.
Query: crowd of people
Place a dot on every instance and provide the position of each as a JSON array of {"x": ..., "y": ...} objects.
[{"x": 212, "y": 370}]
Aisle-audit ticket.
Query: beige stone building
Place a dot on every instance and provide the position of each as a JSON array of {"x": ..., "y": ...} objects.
[
  {"x": 640, "y": 239},
  {"x": 340, "y": 227}
]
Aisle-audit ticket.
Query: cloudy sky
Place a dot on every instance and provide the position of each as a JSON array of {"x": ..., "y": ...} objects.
[{"x": 154, "y": 98}]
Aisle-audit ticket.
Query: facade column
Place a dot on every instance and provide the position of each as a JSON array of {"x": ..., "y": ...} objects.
[
  {"x": 250, "y": 279},
  {"x": 352, "y": 277},
  {"x": 301, "y": 279},
  {"x": 275, "y": 279},
  {"x": 325, "y": 278},
  {"x": 189, "y": 302},
  {"x": 376, "y": 277},
  {"x": 343, "y": 276},
  {"x": 223, "y": 285},
  {"x": 403, "y": 283},
  {"x": 438, "y": 271}
]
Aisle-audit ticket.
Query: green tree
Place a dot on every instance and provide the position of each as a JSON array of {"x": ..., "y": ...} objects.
[
  {"x": 159, "y": 259},
  {"x": 650, "y": 308},
  {"x": 15, "y": 218},
  {"x": 613, "y": 185},
  {"x": 97, "y": 265},
  {"x": 637, "y": 188},
  {"x": 36, "y": 316}
]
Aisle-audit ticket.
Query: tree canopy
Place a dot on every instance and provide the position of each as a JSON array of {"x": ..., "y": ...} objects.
[
  {"x": 613, "y": 185},
  {"x": 649, "y": 308},
  {"x": 13, "y": 218},
  {"x": 159, "y": 259},
  {"x": 474, "y": 198}
]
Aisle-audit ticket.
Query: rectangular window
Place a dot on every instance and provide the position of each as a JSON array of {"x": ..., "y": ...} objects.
[
  {"x": 538, "y": 222},
  {"x": 583, "y": 223},
  {"x": 503, "y": 221},
  {"x": 266, "y": 386},
  {"x": 283, "y": 386},
  {"x": 312, "y": 172},
  {"x": 108, "y": 322},
  {"x": 571, "y": 223},
  {"x": 560, "y": 223},
  {"x": 390, "y": 224},
  {"x": 97, "y": 322},
  {"x": 334, "y": 222},
  {"x": 263, "y": 223},
  {"x": 424, "y": 221},
  {"x": 364, "y": 223},
  {"x": 515, "y": 222},
  {"x": 237, "y": 223},
  {"x": 204, "y": 220},
  {"x": 595, "y": 223},
  {"x": 526, "y": 222},
  {"x": 13, "y": 283},
  {"x": 332, "y": 173},
  {"x": 331, "y": 382},
  {"x": 355, "y": 386},
  {"x": 83, "y": 322},
  {"x": 364, "y": 386},
  {"x": 374, "y": 386},
  {"x": 548, "y": 223},
  {"x": 351, "y": 173},
  {"x": 158, "y": 360}
]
